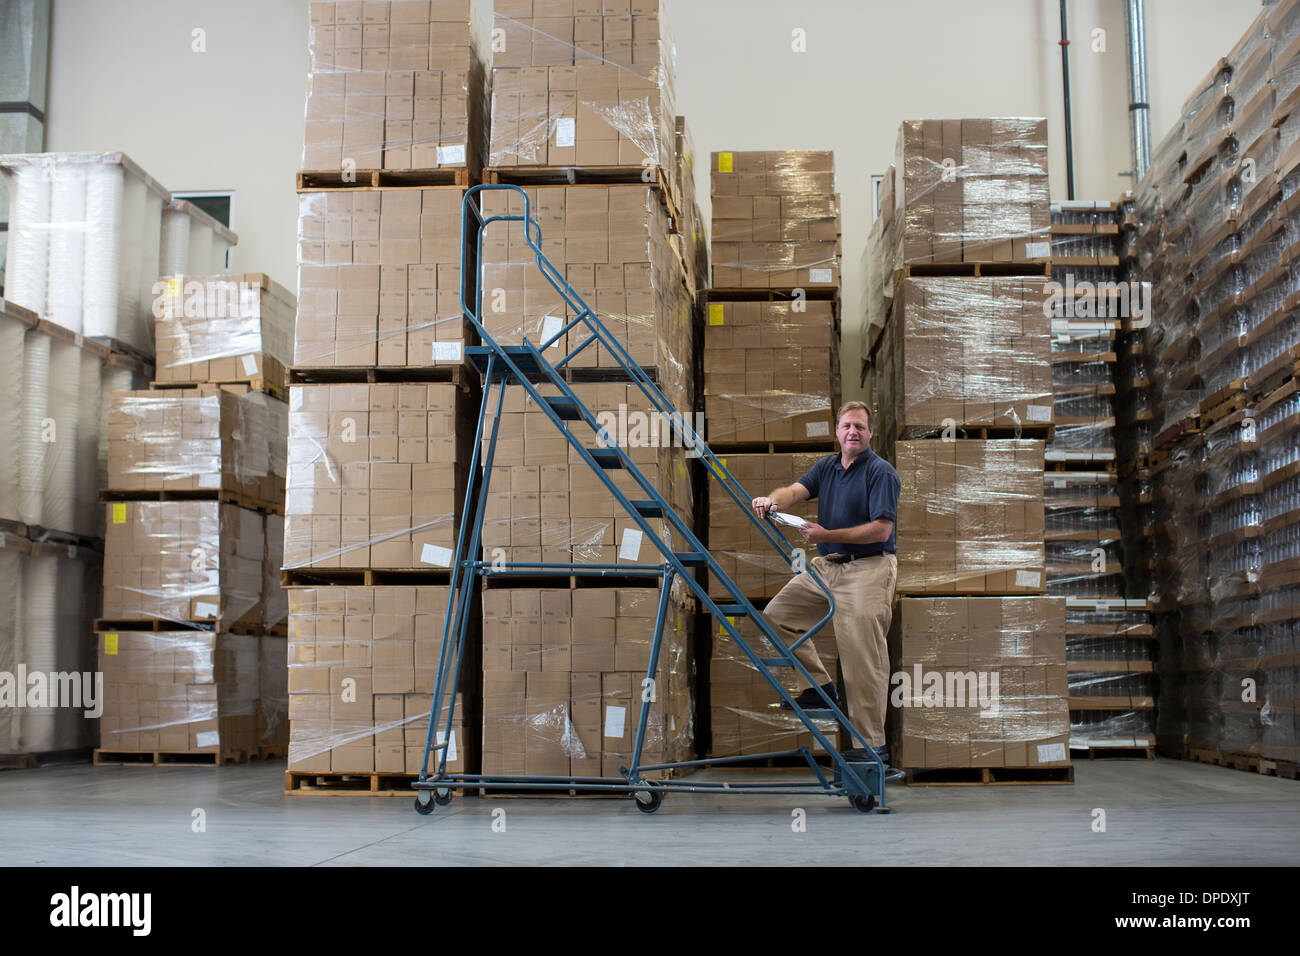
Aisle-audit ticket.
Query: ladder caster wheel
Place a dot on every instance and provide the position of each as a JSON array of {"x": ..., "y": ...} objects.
[
  {"x": 442, "y": 796},
  {"x": 863, "y": 804},
  {"x": 424, "y": 803},
  {"x": 648, "y": 801}
]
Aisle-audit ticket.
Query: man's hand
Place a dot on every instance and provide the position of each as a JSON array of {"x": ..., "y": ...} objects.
[
  {"x": 814, "y": 533},
  {"x": 763, "y": 505}
]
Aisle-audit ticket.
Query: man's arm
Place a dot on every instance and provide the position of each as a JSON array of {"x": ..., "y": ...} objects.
[
  {"x": 781, "y": 499},
  {"x": 869, "y": 533}
]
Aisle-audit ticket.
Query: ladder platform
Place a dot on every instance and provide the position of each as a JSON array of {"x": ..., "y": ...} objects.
[{"x": 524, "y": 357}]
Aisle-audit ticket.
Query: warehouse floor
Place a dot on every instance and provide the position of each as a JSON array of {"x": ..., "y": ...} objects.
[{"x": 1166, "y": 812}]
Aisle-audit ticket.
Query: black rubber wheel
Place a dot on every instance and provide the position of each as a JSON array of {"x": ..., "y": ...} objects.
[
  {"x": 648, "y": 801},
  {"x": 863, "y": 804},
  {"x": 442, "y": 797},
  {"x": 426, "y": 808}
]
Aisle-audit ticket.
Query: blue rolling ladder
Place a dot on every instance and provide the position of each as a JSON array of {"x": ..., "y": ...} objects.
[{"x": 526, "y": 365}]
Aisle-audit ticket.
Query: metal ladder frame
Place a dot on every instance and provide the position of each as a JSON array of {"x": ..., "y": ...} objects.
[{"x": 526, "y": 365}]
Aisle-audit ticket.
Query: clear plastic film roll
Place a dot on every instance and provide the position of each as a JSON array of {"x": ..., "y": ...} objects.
[
  {"x": 971, "y": 190},
  {"x": 212, "y": 438},
  {"x": 185, "y": 561},
  {"x": 375, "y": 475},
  {"x": 192, "y": 692},
  {"x": 1122, "y": 728},
  {"x": 223, "y": 328},
  {"x": 363, "y": 664},
  {"x": 611, "y": 244},
  {"x": 398, "y": 86},
  {"x": 379, "y": 279},
  {"x": 771, "y": 372},
  {"x": 546, "y": 504},
  {"x": 979, "y": 682},
  {"x": 744, "y": 553},
  {"x": 564, "y": 679},
  {"x": 745, "y": 710},
  {"x": 776, "y": 219},
  {"x": 970, "y": 516},
  {"x": 586, "y": 90},
  {"x": 966, "y": 352}
]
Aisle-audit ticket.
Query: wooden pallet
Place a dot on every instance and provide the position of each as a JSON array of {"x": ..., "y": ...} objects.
[
  {"x": 220, "y": 495},
  {"x": 920, "y": 270},
  {"x": 137, "y": 356},
  {"x": 528, "y": 176},
  {"x": 813, "y": 293},
  {"x": 255, "y": 383},
  {"x": 1030, "y": 431},
  {"x": 460, "y": 374},
  {"x": 363, "y": 577},
  {"x": 104, "y": 757},
  {"x": 823, "y": 447},
  {"x": 29, "y": 761},
  {"x": 1079, "y": 464},
  {"x": 988, "y": 776},
  {"x": 1113, "y": 753},
  {"x": 156, "y": 625},
  {"x": 572, "y": 581},
  {"x": 457, "y": 177},
  {"x": 387, "y": 784}
]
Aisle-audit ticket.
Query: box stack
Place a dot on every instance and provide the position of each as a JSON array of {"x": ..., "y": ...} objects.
[
  {"x": 380, "y": 399},
  {"x": 1108, "y": 626},
  {"x": 396, "y": 86},
  {"x": 582, "y": 83},
  {"x": 692, "y": 234},
  {"x": 386, "y": 641},
  {"x": 959, "y": 371},
  {"x": 1216, "y": 233},
  {"x": 563, "y": 698},
  {"x": 191, "y": 638}
]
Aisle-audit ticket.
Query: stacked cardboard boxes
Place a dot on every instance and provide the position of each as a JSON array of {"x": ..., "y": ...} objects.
[
  {"x": 362, "y": 667},
  {"x": 776, "y": 220},
  {"x": 980, "y": 682},
  {"x": 379, "y": 278},
  {"x": 396, "y": 86},
  {"x": 226, "y": 328},
  {"x": 582, "y": 83},
  {"x": 565, "y": 675},
  {"x": 611, "y": 244}
]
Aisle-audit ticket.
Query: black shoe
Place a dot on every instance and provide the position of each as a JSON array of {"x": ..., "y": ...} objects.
[
  {"x": 811, "y": 700},
  {"x": 861, "y": 755}
]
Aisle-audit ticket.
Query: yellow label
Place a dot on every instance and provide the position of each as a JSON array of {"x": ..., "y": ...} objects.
[
  {"x": 724, "y": 162},
  {"x": 110, "y": 643},
  {"x": 716, "y": 313},
  {"x": 722, "y": 462},
  {"x": 119, "y": 514},
  {"x": 722, "y": 631},
  {"x": 174, "y": 286}
]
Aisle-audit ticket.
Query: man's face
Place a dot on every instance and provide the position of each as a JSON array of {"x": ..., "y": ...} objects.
[{"x": 854, "y": 432}]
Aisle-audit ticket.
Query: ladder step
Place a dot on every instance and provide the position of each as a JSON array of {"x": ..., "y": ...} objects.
[
  {"x": 736, "y": 610},
  {"x": 566, "y": 408},
  {"x": 776, "y": 662},
  {"x": 606, "y": 457},
  {"x": 695, "y": 559},
  {"x": 649, "y": 509}
]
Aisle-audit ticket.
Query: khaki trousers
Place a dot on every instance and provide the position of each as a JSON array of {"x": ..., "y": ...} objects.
[{"x": 864, "y": 602}]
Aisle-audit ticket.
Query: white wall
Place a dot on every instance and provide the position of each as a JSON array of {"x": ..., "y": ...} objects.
[{"x": 124, "y": 77}]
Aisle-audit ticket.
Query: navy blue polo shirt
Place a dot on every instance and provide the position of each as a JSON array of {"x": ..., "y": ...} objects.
[{"x": 846, "y": 497}]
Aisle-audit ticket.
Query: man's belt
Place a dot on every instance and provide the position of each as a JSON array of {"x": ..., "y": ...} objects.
[{"x": 850, "y": 558}]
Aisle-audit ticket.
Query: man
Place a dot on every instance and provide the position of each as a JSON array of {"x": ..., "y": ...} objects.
[{"x": 857, "y": 504}]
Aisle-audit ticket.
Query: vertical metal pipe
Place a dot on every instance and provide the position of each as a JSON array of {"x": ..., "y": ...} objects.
[
  {"x": 1139, "y": 109},
  {"x": 1065, "y": 84}
]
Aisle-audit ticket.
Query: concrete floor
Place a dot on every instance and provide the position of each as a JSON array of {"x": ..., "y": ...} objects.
[{"x": 1162, "y": 812}]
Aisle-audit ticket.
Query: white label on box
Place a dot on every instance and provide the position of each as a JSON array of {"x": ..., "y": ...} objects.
[
  {"x": 1050, "y": 752},
  {"x": 629, "y": 549},
  {"x": 447, "y": 351},
  {"x": 820, "y": 275},
  {"x": 208, "y": 738},
  {"x": 817, "y": 428},
  {"x": 1039, "y": 413},
  {"x": 204, "y": 609},
  {"x": 432, "y": 554},
  {"x": 451, "y": 745},
  {"x": 551, "y": 325},
  {"x": 449, "y": 155},
  {"x": 250, "y": 364},
  {"x": 1058, "y": 483},
  {"x": 564, "y": 131},
  {"x": 1027, "y": 579},
  {"x": 1038, "y": 250},
  {"x": 614, "y": 720}
]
